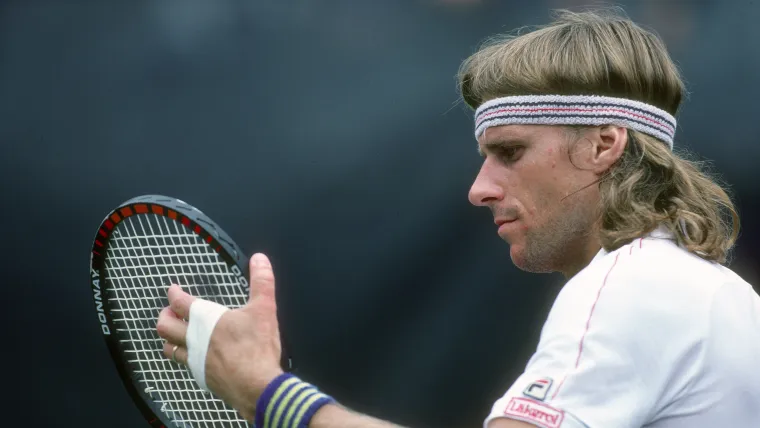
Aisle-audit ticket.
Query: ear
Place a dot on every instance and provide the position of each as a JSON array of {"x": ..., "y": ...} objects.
[{"x": 608, "y": 145}]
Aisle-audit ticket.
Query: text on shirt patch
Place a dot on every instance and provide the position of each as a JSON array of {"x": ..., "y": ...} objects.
[
  {"x": 538, "y": 389},
  {"x": 537, "y": 413}
]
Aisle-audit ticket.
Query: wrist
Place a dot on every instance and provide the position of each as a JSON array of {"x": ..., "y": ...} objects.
[
  {"x": 261, "y": 383},
  {"x": 257, "y": 387},
  {"x": 288, "y": 401}
]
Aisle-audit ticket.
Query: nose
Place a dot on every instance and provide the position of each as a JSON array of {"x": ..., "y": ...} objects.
[{"x": 485, "y": 189}]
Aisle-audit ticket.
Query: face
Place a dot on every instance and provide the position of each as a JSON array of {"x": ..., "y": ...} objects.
[{"x": 543, "y": 203}]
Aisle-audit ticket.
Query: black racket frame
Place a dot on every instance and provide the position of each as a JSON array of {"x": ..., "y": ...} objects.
[{"x": 194, "y": 220}]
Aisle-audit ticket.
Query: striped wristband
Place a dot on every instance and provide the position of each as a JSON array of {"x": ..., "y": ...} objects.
[{"x": 288, "y": 402}]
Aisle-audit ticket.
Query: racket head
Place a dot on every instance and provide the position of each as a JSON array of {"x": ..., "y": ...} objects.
[{"x": 141, "y": 247}]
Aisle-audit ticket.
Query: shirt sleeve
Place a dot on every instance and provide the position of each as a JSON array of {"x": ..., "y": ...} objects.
[
  {"x": 600, "y": 392},
  {"x": 597, "y": 364}
]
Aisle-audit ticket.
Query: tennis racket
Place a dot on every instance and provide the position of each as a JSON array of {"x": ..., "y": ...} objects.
[{"x": 141, "y": 247}]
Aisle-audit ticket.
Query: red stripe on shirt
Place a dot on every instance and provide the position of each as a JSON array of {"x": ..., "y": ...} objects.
[{"x": 588, "y": 323}]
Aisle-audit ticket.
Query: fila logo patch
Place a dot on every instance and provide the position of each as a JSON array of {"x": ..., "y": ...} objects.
[
  {"x": 538, "y": 414},
  {"x": 538, "y": 389}
]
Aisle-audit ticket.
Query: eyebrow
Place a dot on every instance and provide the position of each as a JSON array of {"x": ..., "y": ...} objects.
[{"x": 499, "y": 142}]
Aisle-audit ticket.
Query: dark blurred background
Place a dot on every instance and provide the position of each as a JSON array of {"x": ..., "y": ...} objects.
[{"x": 328, "y": 135}]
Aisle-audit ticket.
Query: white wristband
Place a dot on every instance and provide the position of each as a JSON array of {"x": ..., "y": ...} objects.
[{"x": 203, "y": 318}]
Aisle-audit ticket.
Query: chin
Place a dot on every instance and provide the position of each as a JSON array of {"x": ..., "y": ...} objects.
[
  {"x": 517, "y": 256},
  {"x": 528, "y": 264}
]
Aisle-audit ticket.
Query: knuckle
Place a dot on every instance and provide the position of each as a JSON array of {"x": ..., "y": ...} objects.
[
  {"x": 161, "y": 328},
  {"x": 267, "y": 305},
  {"x": 263, "y": 274},
  {"x": 177, "y": 305}
]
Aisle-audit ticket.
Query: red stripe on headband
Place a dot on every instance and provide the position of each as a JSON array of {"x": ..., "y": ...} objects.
[{"x": 573, "y": 109}]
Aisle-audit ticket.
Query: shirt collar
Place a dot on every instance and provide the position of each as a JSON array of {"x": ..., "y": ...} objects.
[{"x": 661, "y": 232}]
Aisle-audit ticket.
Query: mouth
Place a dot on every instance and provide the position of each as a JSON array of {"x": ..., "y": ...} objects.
[
  {"x": 503, "y": 225},
  {"x": 502, "y": 221}
]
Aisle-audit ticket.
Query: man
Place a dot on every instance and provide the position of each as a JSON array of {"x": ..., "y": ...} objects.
[{"x": 575, "y": 122}]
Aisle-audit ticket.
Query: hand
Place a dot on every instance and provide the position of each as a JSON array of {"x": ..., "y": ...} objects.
[{"x": 244, "y": 352}]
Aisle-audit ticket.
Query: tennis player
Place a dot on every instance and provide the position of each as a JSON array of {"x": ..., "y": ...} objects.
[{"x": 576, "y": 125}]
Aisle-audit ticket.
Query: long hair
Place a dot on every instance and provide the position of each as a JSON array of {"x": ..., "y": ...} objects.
[{"x": 605, "y": 53}]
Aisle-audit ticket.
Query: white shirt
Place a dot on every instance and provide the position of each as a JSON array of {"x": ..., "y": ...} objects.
[{"x": 645, "y": 336}]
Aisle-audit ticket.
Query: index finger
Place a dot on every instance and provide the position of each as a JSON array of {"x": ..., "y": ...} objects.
[{"x": 179, "y": 301}]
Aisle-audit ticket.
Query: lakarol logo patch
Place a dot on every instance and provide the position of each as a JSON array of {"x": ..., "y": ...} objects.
[
  {"x": 538, "y": 389},
  {"x": 538, "y": 414}
]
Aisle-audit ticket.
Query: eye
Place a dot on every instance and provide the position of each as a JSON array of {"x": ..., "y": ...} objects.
[{"x": 509, "y": 154}]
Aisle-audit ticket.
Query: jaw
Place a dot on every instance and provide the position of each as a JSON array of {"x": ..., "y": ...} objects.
[{"x": 566, "y": 245}]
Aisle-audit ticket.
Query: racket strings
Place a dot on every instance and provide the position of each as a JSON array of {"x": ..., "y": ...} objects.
[{"x": 146, "y": 254}]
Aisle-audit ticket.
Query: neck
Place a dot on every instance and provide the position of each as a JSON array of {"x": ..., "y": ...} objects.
[{"x": 585, "y": 251}]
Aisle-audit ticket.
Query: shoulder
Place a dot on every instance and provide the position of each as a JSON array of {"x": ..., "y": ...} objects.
[
  {"x": 650, "y": 273},
  {"x": 654, "y": 271},
  {"x": 638, "y": 335},
  {"x": 645, "y": 293}
]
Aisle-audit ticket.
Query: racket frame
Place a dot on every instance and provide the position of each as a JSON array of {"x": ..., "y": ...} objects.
[{"x": 193, "y": 220}]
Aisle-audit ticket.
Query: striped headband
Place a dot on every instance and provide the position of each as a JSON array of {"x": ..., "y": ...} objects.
[{"x": 576, "y": 110}]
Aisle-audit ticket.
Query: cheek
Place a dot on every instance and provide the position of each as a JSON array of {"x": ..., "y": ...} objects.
[
  {"x": 544, "y": 199},
  {"x": 539, "y": 189},
  {"x": 550, "y": 155}
]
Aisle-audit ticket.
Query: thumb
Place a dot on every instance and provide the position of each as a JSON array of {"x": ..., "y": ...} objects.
[{"x": 262, "y": 277}]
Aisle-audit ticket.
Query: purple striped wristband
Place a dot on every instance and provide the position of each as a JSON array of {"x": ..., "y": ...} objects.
[{"x": 288, "y": 402}]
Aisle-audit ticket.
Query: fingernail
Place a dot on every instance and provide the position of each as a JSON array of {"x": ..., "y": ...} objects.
[{"x": 260, "y": 260}]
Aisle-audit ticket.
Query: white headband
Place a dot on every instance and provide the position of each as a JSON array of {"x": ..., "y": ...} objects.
[{"x": 576, "y": 110}]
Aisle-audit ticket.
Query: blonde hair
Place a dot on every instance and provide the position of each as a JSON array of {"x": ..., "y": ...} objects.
[{"x": 605, "y": 53}]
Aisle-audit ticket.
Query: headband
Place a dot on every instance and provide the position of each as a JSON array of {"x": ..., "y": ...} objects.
[{"x": 576, "y": 110}]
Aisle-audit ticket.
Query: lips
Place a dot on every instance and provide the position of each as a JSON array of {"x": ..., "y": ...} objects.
[{"x": 501, "y": 221}]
